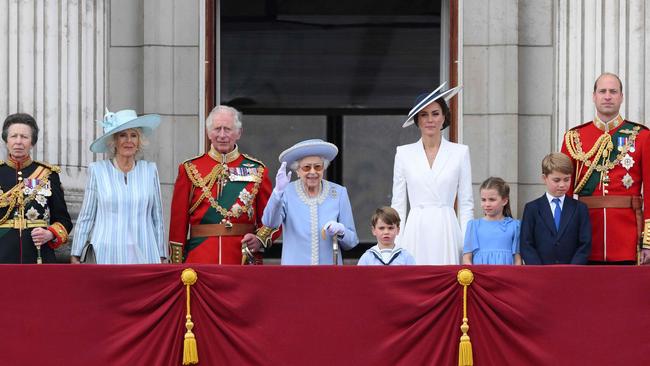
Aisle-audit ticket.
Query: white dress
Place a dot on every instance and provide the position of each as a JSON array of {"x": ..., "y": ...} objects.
[{"x": 432, "y": 233}]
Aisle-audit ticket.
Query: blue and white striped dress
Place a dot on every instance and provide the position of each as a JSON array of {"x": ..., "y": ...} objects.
[{"x": 124, "y": 217}]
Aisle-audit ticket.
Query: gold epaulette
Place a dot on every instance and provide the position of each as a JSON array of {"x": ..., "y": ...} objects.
[
  {"x": 582, "y": 125},
  {"x": 2, "y": 162},
  {"x": 54, "y": 168},
  {"x": 254, "y": 159},
  {"x": 643, "y": 127},
  {"x": 192, "y": 158}
]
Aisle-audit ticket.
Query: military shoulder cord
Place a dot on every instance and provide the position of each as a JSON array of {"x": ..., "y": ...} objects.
[
  {"x": 600, "y": 151},
  {"x": 200, "y": 182}
]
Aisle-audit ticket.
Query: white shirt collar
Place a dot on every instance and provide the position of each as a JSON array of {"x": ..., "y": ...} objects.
[{"x": 551, "y": 198}]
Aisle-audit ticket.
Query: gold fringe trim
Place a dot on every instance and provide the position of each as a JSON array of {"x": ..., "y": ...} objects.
[
  {"x": 465, "y": 358},
  {"x": 190, "y": 351}
]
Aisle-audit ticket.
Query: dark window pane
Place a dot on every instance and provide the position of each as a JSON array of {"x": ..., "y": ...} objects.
[
  {"x": 369, "y": 143},
  {"x": 299, "y": 55}
]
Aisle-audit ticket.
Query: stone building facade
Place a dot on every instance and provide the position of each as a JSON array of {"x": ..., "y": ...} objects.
[{"x": 527, "y": 68}]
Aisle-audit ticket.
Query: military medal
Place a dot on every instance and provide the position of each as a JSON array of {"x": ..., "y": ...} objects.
[
  {"x": 41, "y": 200},
  {"x": 30, "y": 184},
  {"x": 627, "y": 162},
  {"x": 627, "y": 181},
  {"x": 46, "y": 190},
  {"x": 236, "y": 209},
  {"x": 32, "y": 214},
  {"x": 621, "y": 142},
  {"x": 245, "y": 196}
]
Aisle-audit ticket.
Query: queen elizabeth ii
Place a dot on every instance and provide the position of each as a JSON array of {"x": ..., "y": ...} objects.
[{"x": 312, "y": 211}]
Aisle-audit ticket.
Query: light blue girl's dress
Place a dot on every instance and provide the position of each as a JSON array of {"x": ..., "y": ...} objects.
[{"x": 492, "y": 242}]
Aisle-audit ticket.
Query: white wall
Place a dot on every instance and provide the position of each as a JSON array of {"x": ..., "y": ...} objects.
[{"x": 153, "y": 66}]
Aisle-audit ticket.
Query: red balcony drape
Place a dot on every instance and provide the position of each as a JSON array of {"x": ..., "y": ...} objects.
[{"x": 272, "y": 315}]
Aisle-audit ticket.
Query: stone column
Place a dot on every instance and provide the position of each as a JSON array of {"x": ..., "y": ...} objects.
[
  {"x": 52, "y": 67},
  {"x": 536, "y": 96},
  {"x": 154, "y": 66},
  {"x": 490, "y": 95},
  {"x": 594, "y": 36}
]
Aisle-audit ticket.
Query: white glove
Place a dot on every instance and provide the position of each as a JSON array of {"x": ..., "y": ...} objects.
[
  {"x": 334, "y": 228},
  {"x": 282, "y": 179}
]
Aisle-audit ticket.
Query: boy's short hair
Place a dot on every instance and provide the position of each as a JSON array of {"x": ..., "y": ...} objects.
[
  {"x": 556, "y": 162},
  {"x": 387, "y": 214}
]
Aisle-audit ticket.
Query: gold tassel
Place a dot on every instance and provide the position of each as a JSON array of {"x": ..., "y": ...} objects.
[
  {"x": 465, "y": 357},
  {"x": 190, "y": 351}
]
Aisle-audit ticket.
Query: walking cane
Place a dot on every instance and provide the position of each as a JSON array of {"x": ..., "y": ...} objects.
[{"x": 335, "y": 247}]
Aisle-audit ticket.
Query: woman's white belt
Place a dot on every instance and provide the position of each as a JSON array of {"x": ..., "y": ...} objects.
[{"x": 431, "y": 204}]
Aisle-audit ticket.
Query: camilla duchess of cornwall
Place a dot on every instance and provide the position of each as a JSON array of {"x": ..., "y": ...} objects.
[{"x": 121, "y": 216}]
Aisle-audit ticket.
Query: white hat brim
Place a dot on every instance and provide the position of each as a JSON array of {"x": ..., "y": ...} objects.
[
  {"x": 306, "y": 148},
  {"x": 147, "y": 123},
  {"x": 432, "y": 97}
]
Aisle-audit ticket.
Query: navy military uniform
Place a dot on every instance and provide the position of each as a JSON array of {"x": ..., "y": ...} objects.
[{"x": 31, "y": 196}]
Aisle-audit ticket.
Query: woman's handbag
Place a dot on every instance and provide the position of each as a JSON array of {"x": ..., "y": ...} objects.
[{"x": 88, "y": 254}]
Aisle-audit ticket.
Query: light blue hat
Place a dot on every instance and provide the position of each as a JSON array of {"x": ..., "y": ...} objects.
[
  {"x": 422, "y": 101},
  {"x": 120, "y": 121},
  {"x": 313, "y": 147}
]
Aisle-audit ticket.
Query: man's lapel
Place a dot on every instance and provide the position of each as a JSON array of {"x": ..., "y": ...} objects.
[
  {"x": 568, "y": 210},
  {"x": 545, "y": 212}
]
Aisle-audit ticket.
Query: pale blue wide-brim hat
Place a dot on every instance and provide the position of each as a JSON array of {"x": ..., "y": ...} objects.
[
  {"x": 312, "y": 147},
  {"x": 120, "y": 121},
  {"x": 423, "y": 100}
]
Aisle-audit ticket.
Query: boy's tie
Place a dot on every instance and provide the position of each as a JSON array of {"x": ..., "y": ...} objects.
[{"x": 557, "y": 213}]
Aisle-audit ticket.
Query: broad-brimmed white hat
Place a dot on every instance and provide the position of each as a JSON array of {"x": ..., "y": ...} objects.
[
  {"x": 312, "y": 147},
  {"x": 423, "y": 100},
  {"x": 120, "y": 121}
]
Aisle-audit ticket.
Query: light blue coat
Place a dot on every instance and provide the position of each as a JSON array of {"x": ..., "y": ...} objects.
[
  {"x": 302, "y": 219},
  {"x": 122, "y": 219}
]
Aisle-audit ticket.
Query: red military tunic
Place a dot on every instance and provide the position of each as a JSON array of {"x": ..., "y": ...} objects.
[
  {"x": 217, "y": 199},
  {"x": 610, "y": 168}
]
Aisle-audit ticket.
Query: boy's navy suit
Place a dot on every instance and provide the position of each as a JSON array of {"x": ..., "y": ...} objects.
[{"x": 542, "y": 243}]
